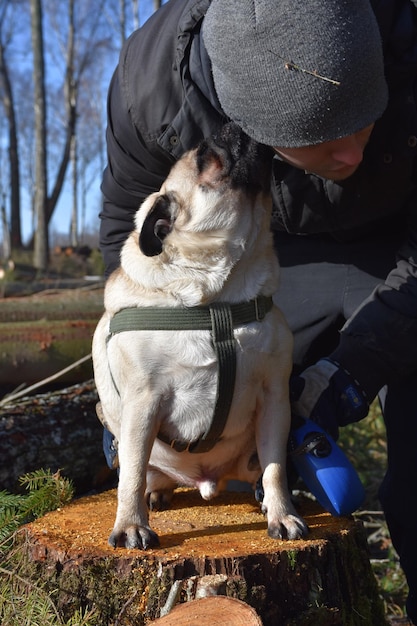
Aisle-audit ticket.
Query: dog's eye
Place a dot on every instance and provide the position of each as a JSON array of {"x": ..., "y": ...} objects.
[{"x": 162, "y": 228}]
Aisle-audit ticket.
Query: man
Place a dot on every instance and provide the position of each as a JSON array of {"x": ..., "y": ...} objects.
[{"x": 330, "y": 85}]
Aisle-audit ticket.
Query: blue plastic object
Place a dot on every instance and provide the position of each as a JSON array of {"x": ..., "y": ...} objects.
[{"x": 325, "y": 469}]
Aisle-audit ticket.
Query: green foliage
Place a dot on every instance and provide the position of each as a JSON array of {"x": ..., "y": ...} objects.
[
  {"x": 23, "y": 604},
  {"x": 9, "y": 516},
  {"x": 46, "y": 492}
]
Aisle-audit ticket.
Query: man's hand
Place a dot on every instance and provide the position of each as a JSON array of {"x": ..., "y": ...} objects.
[{"x": 328, "y": 395}]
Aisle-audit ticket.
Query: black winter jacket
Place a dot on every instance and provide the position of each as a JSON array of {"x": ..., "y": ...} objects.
[{"x": 162, "y": 102}]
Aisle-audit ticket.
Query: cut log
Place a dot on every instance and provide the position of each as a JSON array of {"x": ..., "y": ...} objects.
[
  {"x": 54, "y": 304},
  {"x": 220, "y": 610},
  {"x": 31, "y": 352},
  {"x": 55, "y": 430},
  {"x": 221, "y": 548},
  {"x": 46, "y": 332}
]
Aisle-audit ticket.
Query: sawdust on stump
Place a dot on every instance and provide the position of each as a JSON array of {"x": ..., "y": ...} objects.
[{"x": 321, "y": 580}]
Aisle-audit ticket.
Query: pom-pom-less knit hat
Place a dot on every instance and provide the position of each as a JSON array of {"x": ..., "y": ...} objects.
[{"x": 294, "y": 73}]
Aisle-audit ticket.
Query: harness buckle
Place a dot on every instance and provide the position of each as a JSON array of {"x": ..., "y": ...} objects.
[{"x": 180, "y": 446}]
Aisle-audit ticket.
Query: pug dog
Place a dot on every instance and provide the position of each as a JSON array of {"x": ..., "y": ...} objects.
[{"x": 202, "y": 244}]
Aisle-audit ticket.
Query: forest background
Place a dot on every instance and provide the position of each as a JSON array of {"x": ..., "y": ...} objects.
[{"x": 56, "y": 61}]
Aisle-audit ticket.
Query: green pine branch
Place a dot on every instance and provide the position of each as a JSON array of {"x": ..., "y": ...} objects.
[
  {"x": 22, "y": 601},
  {"x": 46, "y": 491}
]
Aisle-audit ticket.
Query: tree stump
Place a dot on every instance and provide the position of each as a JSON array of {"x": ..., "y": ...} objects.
[{"x": 215, "y": 549}]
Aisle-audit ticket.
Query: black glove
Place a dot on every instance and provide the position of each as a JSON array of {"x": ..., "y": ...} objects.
[{"x": 327, "y": 394}]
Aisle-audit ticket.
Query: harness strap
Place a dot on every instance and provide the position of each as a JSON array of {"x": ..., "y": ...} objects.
[
  {"x": 221, "y": 319},
  {"x": 191, "y": 318}
]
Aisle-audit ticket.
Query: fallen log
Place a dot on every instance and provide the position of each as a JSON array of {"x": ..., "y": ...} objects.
[
  {"x": 54, "y": 430},
  {"x": 221, "y": 548},
  {"x": 44, "y": 333}
]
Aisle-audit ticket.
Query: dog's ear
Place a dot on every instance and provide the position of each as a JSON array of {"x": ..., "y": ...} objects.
[
  {"x": 232, "y": 154},
  {"x": 156, "y": 226},
  {"x": 213, "y": 164}
]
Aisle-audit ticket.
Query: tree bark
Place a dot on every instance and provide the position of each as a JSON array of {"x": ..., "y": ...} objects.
[
  {"x": 220, "y": 548},
  {"x": 41, "y": 251},
  {"x": 9, "y": 107},
  {"x": 55, "y": 430}
]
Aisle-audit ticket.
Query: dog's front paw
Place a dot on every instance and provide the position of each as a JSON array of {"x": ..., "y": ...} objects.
[
  {"x": 284, "y": 523},
  {"x": 289, "y": 527},
  {"x": 134, "y": 536}
]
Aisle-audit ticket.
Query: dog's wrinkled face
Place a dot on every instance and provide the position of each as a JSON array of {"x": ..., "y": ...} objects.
[{"x": 202, "y": 197}]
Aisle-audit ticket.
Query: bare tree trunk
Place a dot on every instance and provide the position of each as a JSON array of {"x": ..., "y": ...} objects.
[
  {"x": 71, "y": 92},
  {"x": 135, "y": 11},
  {"x": 78, "y": 61},
  {"x": 5, "y": 229},
  {"x": 41, "y": 251},
  {"x": 122, "y": 20},
  {"x": 8, "y": 102},
  {"x": 74, "y": 212}
]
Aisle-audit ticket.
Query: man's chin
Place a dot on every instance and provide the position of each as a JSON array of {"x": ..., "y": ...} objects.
[{"x": 338, "y": 175}]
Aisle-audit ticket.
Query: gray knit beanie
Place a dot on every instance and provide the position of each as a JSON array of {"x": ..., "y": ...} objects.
[{"x": 294, "y": 73}]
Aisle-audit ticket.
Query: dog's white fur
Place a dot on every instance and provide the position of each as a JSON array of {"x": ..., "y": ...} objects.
[{"x": 218, "y": 248}]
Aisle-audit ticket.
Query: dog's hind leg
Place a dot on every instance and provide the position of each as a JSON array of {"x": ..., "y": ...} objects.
[{"x": 159, "y": 489}]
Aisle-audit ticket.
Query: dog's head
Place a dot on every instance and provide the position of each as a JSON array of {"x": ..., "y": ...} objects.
[
  {"x": 204, "y": 188},
  {"x": 208, "y": 213}
]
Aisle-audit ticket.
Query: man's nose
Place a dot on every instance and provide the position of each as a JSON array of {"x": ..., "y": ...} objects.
[{"x": 349, "y": 151}]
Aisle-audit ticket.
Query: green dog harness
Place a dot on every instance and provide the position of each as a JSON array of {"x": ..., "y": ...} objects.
[{"x": 221, "y": 319}]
